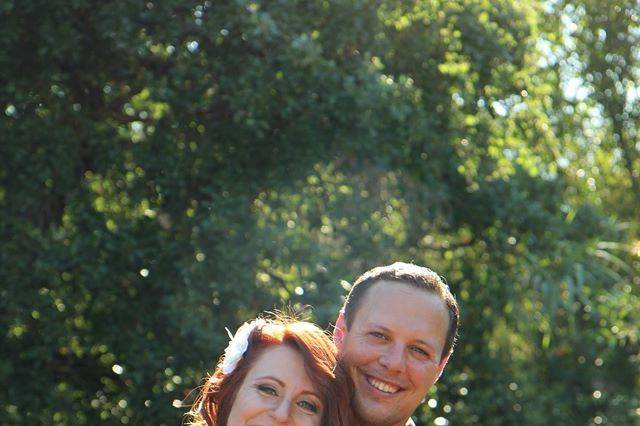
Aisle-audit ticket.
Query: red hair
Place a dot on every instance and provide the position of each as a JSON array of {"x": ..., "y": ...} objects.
[{"x": 218, "y": 393}]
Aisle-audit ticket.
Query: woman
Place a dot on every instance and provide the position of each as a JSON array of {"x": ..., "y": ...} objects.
[{"x": 275, "y": 371}]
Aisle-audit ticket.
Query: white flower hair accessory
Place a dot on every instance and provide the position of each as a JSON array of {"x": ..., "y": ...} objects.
[{"x": 238, "y": 345}]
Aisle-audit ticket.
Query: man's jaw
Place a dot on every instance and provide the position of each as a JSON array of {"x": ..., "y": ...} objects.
[{"x": 377, "y": 401}]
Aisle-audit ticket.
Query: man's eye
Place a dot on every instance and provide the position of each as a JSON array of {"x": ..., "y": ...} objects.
[
  {"x": 378, "y": 335},
  {"x": 308, "y": 406},
  {"x": 421, "y": 352},
  {"x": 266, "y": 389}
]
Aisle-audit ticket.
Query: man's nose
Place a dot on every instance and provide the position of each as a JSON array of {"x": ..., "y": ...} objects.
[
  {"x": 282, "y": 411},
  {"x": 393, "y": 358}
]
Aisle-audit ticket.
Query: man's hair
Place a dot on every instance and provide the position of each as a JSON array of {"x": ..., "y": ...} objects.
[
  {"x": 218, "y": 392},
  {"x": 413, "y": 275}
]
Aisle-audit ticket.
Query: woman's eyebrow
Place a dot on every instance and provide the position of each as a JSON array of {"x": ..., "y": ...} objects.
[
  {"x": 310, "y": 392},
  {"x": 280, "y": 382}
]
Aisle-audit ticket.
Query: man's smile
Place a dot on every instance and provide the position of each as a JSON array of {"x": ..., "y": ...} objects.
[
  {"x": 382, "y": 386},
  {"x": 379, "y": 386}
]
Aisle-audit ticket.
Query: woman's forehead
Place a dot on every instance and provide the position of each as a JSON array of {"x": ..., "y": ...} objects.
[{"x": 283, "y": 363}]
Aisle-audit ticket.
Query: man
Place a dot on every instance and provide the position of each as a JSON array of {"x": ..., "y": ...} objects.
[{"x": 394, "y": 335}]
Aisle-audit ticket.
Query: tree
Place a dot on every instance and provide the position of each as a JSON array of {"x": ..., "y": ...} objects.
[{"x": 174, "y": 168}]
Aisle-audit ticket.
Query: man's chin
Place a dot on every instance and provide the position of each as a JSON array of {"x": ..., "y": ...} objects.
[{"x": 373, "y": 413}]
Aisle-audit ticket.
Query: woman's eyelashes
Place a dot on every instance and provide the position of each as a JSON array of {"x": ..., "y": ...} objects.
[
  {"x": 308, "y": 406},
  {"x": 304, "y": 404},
  {"x": 267, "y": 390}
]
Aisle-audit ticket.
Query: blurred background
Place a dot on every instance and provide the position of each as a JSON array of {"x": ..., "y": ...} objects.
[{"x": 170, "y": 168}]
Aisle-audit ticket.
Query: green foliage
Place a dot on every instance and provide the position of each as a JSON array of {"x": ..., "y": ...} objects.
[{"x": 172, "y": 168}]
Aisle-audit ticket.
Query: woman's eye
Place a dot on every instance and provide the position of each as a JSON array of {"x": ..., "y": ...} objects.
[
  {"x": 266, "y": 389},
  {"x": 378, "y": 335},
  {"x": 309, "y": 406}
]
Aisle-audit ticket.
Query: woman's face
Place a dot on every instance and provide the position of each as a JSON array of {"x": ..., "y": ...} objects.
[{"x": 277, "y": 391}]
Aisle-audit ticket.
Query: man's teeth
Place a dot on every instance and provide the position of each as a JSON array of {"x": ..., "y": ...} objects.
[{"x": 381, "y": 386}]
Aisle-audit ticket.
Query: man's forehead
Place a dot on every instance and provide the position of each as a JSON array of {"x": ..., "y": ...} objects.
[
  {"x": 401, "y": 307},
  {"x": 385, "y": 292}
]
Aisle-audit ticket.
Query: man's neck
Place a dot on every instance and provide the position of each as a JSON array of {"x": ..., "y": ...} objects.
[{"x": 408, "y": 422}]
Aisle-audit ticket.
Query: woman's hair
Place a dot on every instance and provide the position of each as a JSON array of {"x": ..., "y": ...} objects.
[{"x": 218, "y": 392}]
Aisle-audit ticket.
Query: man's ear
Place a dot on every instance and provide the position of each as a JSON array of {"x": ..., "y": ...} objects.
[
  {"x": 443, "y": 363},
  {"x": 339, "y": 331}
]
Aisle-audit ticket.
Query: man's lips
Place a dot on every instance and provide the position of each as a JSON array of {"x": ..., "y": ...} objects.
[{"x": 382, "y": 385}]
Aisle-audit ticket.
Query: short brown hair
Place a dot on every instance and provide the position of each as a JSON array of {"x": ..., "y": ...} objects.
[
  {"x": 407, "y": 273},
  {"x": 218, "y": 392}
]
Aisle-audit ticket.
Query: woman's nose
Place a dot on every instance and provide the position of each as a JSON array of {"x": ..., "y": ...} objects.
[{"x": 282, "y": 411}]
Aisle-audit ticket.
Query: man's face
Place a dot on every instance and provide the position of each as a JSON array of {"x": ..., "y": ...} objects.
[{"x": 392, "y": 350}]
